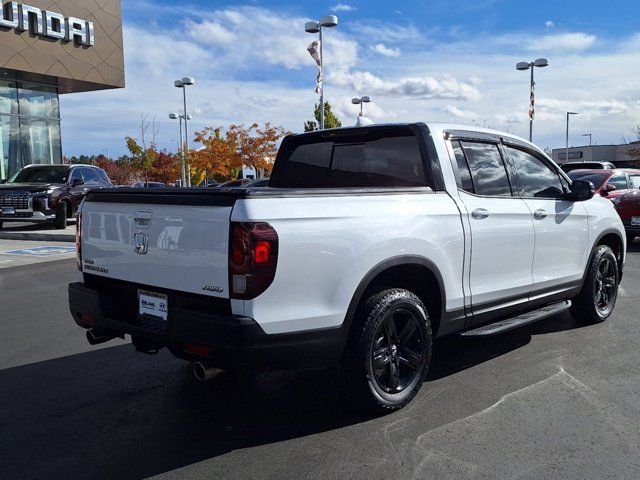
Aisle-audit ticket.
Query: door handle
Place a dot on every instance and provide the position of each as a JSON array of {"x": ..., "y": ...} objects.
[
  {"x": 480, "y": 213},
  {"x": 540, "y": 214}
]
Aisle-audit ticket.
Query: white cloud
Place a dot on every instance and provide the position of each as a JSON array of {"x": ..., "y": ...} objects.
[
  {"x": 562, "y": 42},
  {"x": 342, "y": 7},
  {"x": 458, "y": 112},
  {"x": 209, "y": 32},
  {"x": 549, "y": 24},
  {"x": 408, "y": 87},
  {"x": 386, "y": 51},
  {"x": 376, "y": 31}
]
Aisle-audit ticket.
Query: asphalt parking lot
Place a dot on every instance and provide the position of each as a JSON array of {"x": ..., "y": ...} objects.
[{"x": 555, "y": 400}]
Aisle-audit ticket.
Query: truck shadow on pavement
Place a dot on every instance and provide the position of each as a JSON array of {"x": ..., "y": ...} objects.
[{"x": 113, "y": 413}]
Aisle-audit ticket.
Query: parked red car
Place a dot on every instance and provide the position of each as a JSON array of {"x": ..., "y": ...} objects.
[
  {"x": 628, "y": 207},
  {"x": 608, "y": 183}
]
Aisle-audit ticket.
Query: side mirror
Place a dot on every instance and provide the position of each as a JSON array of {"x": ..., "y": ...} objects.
[
  {"x": 606, "y": 189},
  {"x": 77, "y": 182},
  {"x": 581, "y": 190}
]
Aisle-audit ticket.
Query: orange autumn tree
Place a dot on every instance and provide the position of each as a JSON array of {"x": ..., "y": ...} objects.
[
  {"x": 256, "y": 147},
  {"x": 218, "y": 157}
]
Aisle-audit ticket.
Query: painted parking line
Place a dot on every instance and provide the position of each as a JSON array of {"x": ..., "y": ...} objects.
[{"x": 47, "y": 251}]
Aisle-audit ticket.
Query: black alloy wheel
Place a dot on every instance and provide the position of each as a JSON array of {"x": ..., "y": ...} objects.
[
  {"x": 597, "y": 298},
  {"x": 389, "y": 349},
  {"x": 605, "y": 287},
  {"x": 398, "y": 350}
]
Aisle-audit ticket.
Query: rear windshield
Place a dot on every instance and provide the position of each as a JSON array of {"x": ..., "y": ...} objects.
[
  {"x": 596, "y": 178},
  {"x": 377, "y": 157}
]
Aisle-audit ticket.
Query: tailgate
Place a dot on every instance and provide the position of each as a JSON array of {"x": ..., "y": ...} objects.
[{"x": 177, "y": 247}]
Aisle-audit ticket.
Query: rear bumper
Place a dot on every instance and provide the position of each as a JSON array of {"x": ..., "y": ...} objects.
[{"x": 232, "y": 341}]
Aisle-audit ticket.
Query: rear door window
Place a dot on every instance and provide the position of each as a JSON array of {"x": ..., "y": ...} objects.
[
  {"x": 487, "y": 168},
  {"x": 388, "y": 157}
]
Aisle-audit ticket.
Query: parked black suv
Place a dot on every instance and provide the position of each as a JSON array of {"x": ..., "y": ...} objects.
[{"x": 42, "y": 193}]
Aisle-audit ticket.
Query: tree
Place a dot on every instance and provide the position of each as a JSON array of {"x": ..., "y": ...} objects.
[
  {"x": 219, "y": 157},
  {"x": 166, "y": 168},
  {"x": 119, "y": 171},
  {"x": 143, "y": 156},
  {"x": 257, "y": 147},
  {"x": 330, "y": 119}
]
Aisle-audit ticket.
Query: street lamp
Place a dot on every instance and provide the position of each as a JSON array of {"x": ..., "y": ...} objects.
[
  {"x": 360, "y": 101},
  {"x": 183, "y": 83},
  {"x": 587, "y": 135},
  {"x": 567, "y": 138},
  {"x": 327, "y": 21},
  {"x": 540, "y": 62},
  {"x": 175, "y": 116}
]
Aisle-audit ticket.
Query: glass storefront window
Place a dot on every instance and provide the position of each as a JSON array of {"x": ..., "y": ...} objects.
[
  {"x": 38, "y": 100},
  {"x": 9, "y": 151},
  {"x": 8, "y": 98},
  {"x": 39, "y": 142},
  {"x": 29, "y": 126}
]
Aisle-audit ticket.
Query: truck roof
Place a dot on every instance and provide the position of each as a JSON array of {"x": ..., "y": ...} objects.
[{"x": 433, "y": 127}]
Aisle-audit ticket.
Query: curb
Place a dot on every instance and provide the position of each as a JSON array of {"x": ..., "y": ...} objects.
[{"x": 38, "y": 237}]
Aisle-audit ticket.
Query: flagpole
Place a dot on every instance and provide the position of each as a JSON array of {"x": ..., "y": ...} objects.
[
  {"x": 322, "y": 85},
  {"x": 316, "y": 27}
]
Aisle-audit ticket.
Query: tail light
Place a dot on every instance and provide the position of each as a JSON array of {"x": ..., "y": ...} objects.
[
  {"x": 253, "y": 255},
  {"x": 79, "y": 241}
]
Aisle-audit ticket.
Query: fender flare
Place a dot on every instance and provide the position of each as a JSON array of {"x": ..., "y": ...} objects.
[{"x": 364, "y": 284}]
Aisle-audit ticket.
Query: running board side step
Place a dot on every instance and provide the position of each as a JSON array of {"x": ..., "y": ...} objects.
[{"x": 520, "y": 320}]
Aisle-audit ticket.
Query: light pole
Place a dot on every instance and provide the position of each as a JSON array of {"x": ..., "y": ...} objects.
[
  {"x": 183, "y": 83},
  {"x": 567, "y": 138},
  {"x": 360, "y": 101},
  {"x": 540, "y": 62},
  {"x": 316, "y": 27},
  {"x": 587, "y": 135},
  {"x": 175, "y": 116}
]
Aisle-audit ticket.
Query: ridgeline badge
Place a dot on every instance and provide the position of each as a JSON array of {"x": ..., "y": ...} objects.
[{"x": 24, "y": 18}]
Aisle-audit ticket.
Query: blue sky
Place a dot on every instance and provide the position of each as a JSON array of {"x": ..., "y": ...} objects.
[{"x": 419, "y": 61}]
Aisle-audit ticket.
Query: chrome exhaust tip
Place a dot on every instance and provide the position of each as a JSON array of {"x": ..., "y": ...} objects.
[
  {"x": 96, "y": 338},
  {"x": 203, "y": 372}
]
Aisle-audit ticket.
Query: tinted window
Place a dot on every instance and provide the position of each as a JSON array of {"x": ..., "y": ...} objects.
[
  {"x": 103, "y": 175},
  {"x": 41, "y": 175},
  {"x": 90, "y": 175},
  {"x": 535, "y": 177},
  {"x": 620, "y": 181},
  {"x": 465, "y": 181},
  {"x": 368, "y": 158},
  {"x": 487, "y": 169},
  {"x": 76, "y": 174},
  {"x": 597, "y": 178}
]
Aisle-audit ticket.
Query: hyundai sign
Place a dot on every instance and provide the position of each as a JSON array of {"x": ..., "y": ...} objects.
[{"x": 44, "y": 23}]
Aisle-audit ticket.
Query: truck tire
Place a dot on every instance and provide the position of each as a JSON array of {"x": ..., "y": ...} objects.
[
  {"x": 595, "y": 302},
  {"x": 389, "y": 350},
  {"x": 60, "y": 222}
]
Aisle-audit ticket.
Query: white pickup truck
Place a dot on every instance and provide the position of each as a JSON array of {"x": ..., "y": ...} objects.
[{"x": 368, "y": 244}]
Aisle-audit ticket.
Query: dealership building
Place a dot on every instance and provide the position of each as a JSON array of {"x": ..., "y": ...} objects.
[
  {"x": 625, "y": 155},
  {"x": 49, "y": 49}
]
